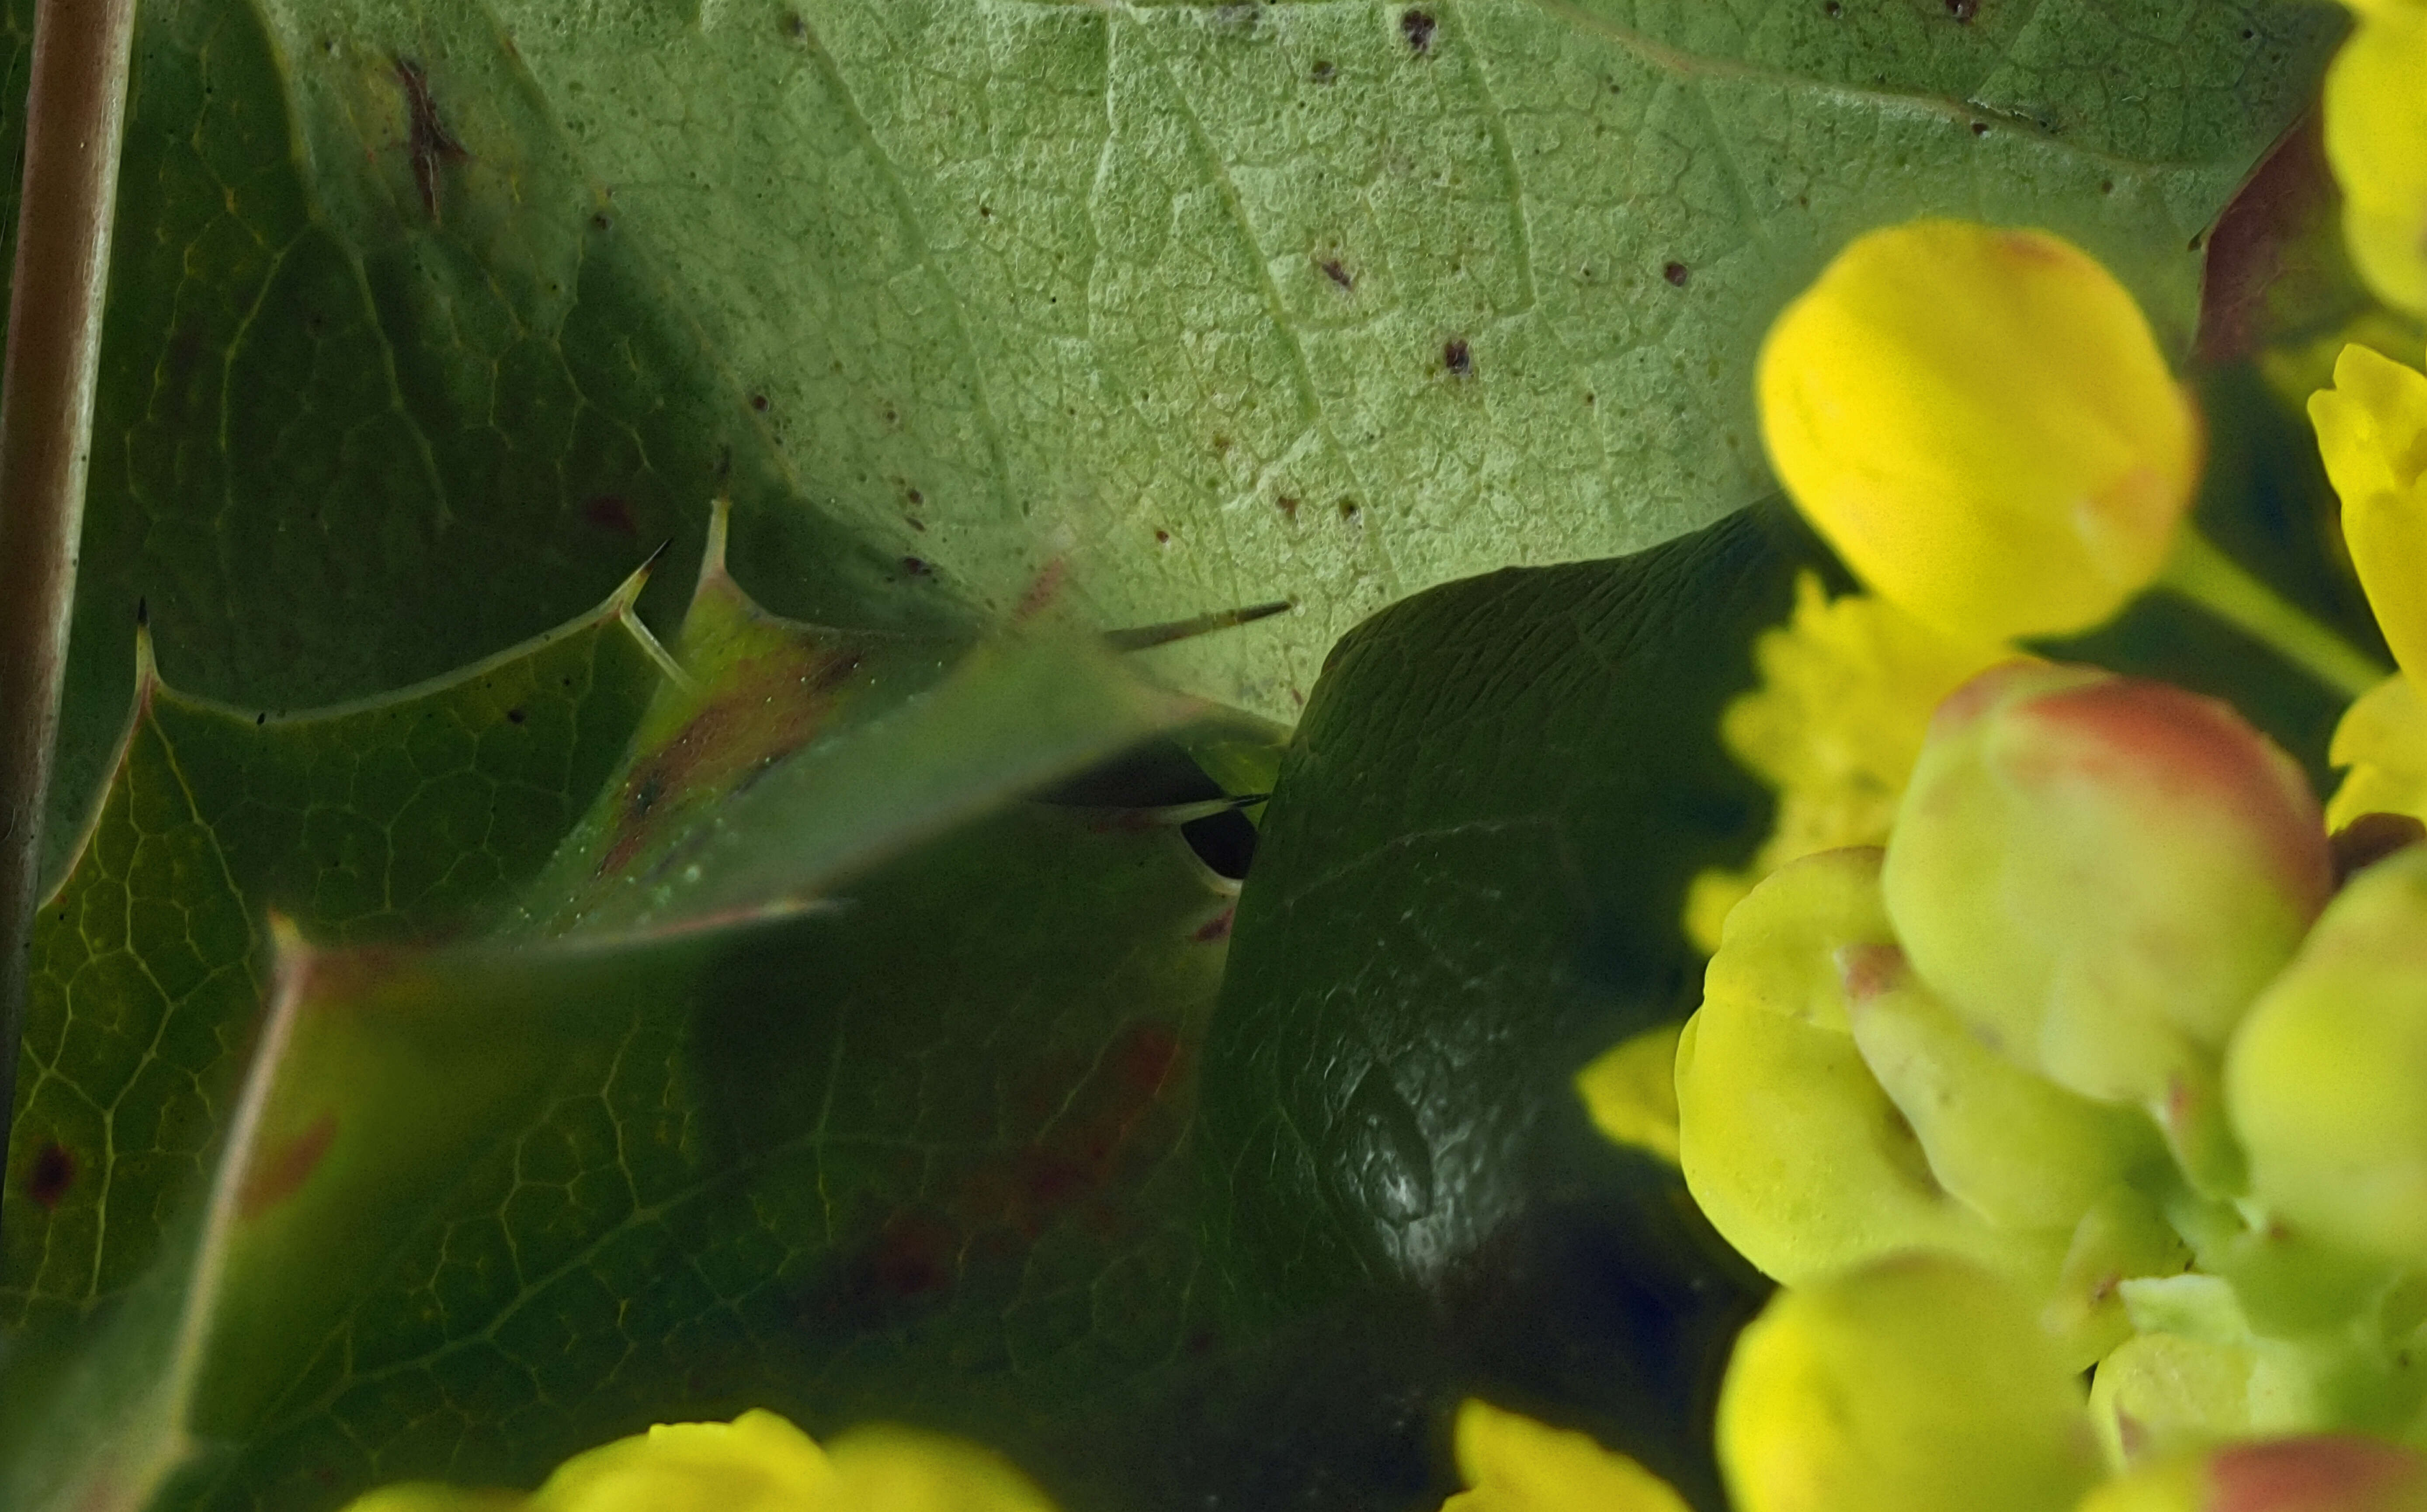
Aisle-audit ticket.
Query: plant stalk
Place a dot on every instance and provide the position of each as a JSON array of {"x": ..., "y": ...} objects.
[
  {"x": 75, "y": 116},
  {"x": 2201, "y": 572}
]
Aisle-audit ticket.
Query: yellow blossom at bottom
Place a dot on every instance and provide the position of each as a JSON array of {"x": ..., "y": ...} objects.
[
  {"x": 757, "y": 1463},
  {"x": 1848, "y": 687},
  {"x": 1514, "y": 1464},
  {"x": 2382, "y": 747}
]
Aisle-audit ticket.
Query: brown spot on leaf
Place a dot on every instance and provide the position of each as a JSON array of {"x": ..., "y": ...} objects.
[
  {"x": 1458, "y": 357},
  {"x": 1962, "y": 11},
  {"x": 516, "y": 716},
  {"x": 49, "y": 1175},
  {"x": 916, "y": 567},
  {"x": 1677, "y": 274},
  {"x": 1162, "y": 538},
  {"x": 610, "y": 512},
  {"x": 759, "y": 402},
  {"x": 1288, "y": 507},
  {"x": 428, "y": 142},
  {"x": 1322, "y": 72},
  {"x": 1338, "y": 274},
  {"x": 1417, "y": 27},
  {"x": 1216, "y": 928},
  {"x": 278, "y": 1172},
  {"x": 1047, "y": 587}
]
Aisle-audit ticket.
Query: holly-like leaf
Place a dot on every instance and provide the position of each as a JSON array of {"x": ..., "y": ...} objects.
[
  {"x": 428, "y": 317},
  {"x": 402, "y": 816},
  {"x": 499, "y": 976}
]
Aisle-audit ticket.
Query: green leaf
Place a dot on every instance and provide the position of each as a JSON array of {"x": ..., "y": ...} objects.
[
  {"x": 651, "y": 1056},
  {"x": 428, "y": 318},
  {"x": 1470, "y": 882},
  {"x": 369, "y": 822}
]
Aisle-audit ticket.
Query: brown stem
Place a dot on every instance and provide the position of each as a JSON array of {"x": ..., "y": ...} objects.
[{"x": 75, "y": 113}]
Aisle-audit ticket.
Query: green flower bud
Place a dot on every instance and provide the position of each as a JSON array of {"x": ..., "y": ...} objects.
[
  {"x": 2328, "y": 1472},
  {"x": 2098, "y": 874},
  {"x": 2024, "y": 1152},
  {"x": 1917, "y": 1384},
  {"x": 1786, "y": 1141},
  {"x": 2327, "y": 1084}
]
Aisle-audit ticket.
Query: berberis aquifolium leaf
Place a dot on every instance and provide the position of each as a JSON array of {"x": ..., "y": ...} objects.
[
  {"x": 425, "y": 314},
  {"x": 396, "y": 1074}
]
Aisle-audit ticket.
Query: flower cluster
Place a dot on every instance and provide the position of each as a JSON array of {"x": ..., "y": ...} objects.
[{"x": 2059, "y": 1034}]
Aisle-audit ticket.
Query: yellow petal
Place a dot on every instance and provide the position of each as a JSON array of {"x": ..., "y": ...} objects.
[
  {"x": 2372, "y": 434},
  {"x": 1514, "y": 1464},
  {"x": 1847, "y": 686},
  {"x": 1981, "y": 422},
  {"x": 2382, "y": 744},
  {"x": 1630, "y": 1092}
]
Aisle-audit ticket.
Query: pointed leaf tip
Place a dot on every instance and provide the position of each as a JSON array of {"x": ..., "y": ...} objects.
[{"x": 1148, "y": 636}]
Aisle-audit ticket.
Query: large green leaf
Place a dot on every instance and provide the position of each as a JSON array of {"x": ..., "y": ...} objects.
[
  {"x": 603, "y": 1069},
  {"x": 429, "y": 317},
  {"x": 1469, "y": 883}
]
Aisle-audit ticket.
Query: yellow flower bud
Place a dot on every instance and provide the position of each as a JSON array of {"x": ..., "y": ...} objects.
[
  {"x": 757, "y": 1463},
  {"x": 1514, "y": 1464},
  {"x": 2372, "y": 433},
  {"x": 2376, "y": 138},
  {"x": 1916, "y": 1384},
  {"x": 1981, "y": 423}
]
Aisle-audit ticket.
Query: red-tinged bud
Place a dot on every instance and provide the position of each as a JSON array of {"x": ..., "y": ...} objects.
[
  {"x": 2325, "y": 1472},
  {"x": 2099, "y": 874}
]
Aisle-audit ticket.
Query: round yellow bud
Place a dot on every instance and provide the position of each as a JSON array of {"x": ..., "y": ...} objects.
[
  {"x": 1981, "y": 423},
  {"x": 1916, "y": 1384},
  {"x": 2376, "y": 138}
]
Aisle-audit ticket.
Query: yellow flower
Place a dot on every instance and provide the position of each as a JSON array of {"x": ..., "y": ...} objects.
[
  {"x": 2372, "y": 433},
  {"x": 2381, "y": 746},
  {"x": 1514, "y": 1464},
  {"x": 757, "y": 1463},
  {"x": 1848, "y": 687},
  {"x": 2376, "y": 138},
  {"x": 1981, "y": 422}
]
